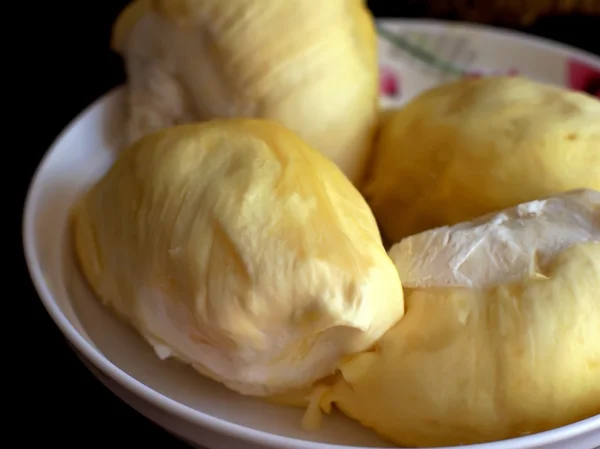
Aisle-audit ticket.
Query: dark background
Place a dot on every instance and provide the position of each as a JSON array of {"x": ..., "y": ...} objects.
[{"x": 60, "y": 62}]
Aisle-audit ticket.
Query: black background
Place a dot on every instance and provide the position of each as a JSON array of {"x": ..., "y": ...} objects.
[{"x": 59, "y": 62}]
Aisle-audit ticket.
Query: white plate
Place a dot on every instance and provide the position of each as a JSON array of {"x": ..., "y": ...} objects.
[
  {"x": 416, "y": 55},
  {"x": 194, "y": 408}
]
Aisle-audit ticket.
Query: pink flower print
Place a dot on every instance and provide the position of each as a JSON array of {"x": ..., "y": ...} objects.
[
  {"x": 389, "y": 82},
  {"x": 583, "y": 77},
  {"x": 474, "y": 74}
]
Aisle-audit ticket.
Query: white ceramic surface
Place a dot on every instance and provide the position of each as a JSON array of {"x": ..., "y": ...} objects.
[{"x": 170, "y": 394}]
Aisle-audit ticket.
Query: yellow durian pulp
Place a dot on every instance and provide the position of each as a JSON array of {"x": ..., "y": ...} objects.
[
  {"x": 501, "y": 336},
  {"x": 475, "y": 146},
  {"x": 312, "y": 67},
  {"x": 234, "y": 246}
]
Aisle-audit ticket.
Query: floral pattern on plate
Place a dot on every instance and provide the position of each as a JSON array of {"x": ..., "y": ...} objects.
[
  {"x": 414, "y": 58},
  {"x": 583, "y": 77}
]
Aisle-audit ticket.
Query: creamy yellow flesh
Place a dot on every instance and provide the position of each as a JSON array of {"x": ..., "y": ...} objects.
[
  {"x": 473, "y": 147},
  {"x": 312, "y": 69},
  {"x": 501, "y": 335},
  {"x": 238, "y": 249}
]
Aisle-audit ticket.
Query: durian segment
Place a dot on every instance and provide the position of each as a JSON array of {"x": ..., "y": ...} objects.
[{"x": 235, "y": 247}]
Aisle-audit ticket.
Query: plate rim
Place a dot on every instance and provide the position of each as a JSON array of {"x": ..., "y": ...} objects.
[
  {"x": 516, "y": 36},
  {"x": 203, "y": 419}
]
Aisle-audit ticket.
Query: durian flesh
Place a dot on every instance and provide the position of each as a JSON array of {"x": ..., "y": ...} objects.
[
  {"x": 501, "y": 335},
  {"x": 235, "y": 247},
  {"x": 472, "y": 147},
  {"x": 312, "y": 67}
]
